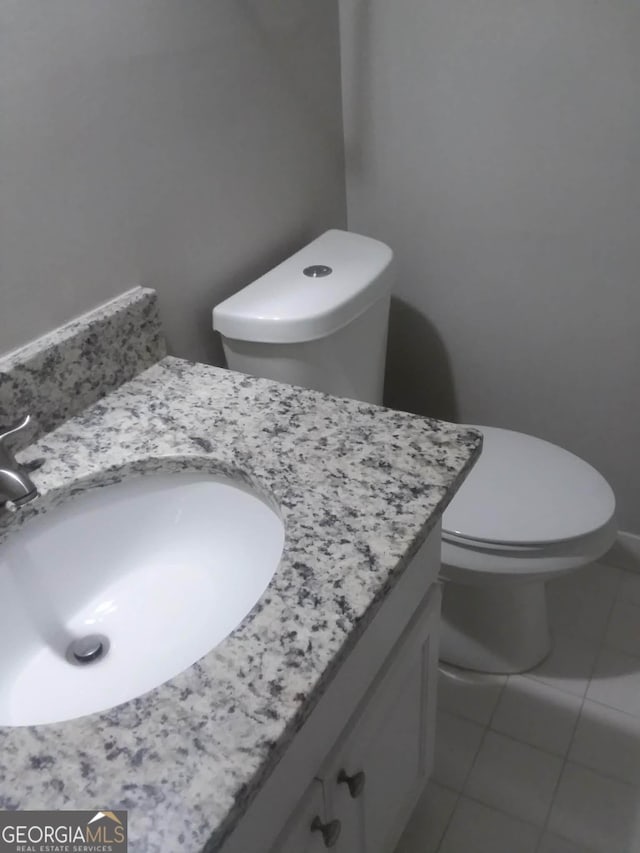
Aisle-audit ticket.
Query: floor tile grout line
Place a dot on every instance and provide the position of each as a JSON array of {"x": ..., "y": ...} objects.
[
  {"x": 545, "y": 750},
  {"x": 634, "y": 786},
  {"x": 491, "y": 808},
  {"x": 449, "y": 819},
  {"x": 472, "y": 765},
  {"x": 565, "y": 760},
  {"x": 473, "y": 721},
  {"x": 581, "y": 635},
  {"x": 542, "y": 829},
  {"x": 561, "y": 755},
  {"x": 615, "y": 708},
  {"x": 488, "y": 727},
  {"x": 502, "y": 812},
  {"x": 471, "y": 685},
  {"x": 548, "y": 680},
  {"x": 486, "y": 731},
  {"x": 624, "y": 572},
  {"x": 548, "y": 683},
  {"x": 611, "y": 609},
  {"x": 534, "y": 746}
]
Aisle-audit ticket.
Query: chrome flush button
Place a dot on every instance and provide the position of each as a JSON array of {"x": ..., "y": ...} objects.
[{"x": 317, "y": 271}]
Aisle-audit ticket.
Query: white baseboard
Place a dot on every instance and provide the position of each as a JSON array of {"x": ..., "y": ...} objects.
[{"x": 625, "y": 553}]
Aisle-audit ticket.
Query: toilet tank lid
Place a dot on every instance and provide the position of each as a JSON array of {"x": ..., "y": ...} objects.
[
  {"x": 526, "y": 491},
  {"x": 288, "y": 306}
]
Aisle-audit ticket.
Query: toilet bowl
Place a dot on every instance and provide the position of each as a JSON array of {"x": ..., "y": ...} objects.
[{"x": 527, "y": 512}]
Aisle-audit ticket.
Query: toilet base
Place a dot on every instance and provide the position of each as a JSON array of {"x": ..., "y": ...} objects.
[{"x": 501, "y": 628}]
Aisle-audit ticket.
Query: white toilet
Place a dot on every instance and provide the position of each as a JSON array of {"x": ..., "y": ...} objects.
[{"x": 529, "y": 511}]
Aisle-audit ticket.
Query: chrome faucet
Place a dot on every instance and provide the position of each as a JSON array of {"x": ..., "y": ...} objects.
[{"x": 16, "y": 486}]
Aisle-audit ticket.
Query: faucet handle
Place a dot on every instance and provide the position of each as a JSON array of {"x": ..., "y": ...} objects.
[
  {"x": 16, "y": 487},
  {"x": 9, "y": 431}
]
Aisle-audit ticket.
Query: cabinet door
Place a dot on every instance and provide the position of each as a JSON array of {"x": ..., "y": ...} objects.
[
  {"x": 298, "y": 835},
  {"x": 390, "y": 742}
]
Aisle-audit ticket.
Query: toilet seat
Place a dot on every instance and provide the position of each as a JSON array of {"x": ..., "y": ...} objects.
[
  {"x": 526, "y": 493},
  {"x": 479, "y": 563}
]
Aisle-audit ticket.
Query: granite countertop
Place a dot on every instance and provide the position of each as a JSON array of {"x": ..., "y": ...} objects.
[{"x": 358, "y": 488}]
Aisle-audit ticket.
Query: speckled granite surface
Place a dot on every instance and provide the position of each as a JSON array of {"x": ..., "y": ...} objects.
[
  {"x": 63, "y": 372},
  {"x": 358, "y": 488}
]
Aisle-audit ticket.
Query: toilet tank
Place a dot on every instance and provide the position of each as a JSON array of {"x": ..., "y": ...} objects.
[{"x": 318, "y": 320}]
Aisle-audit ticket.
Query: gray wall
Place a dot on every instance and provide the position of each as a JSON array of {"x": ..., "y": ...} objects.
[
  {"x": 495, "y": 144},
  {"x": 186, "y": 145}
]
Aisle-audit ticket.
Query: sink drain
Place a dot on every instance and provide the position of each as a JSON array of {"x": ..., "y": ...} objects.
[{"x": 87, "y": 649}]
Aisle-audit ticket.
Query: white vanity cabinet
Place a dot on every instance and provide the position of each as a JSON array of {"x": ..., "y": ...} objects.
[
  {"x": 372, "y": 781},
  {"x": 298, "y": 836},
  {"x": 353, "y": 774},
  {"x": 379, "y": 767}
]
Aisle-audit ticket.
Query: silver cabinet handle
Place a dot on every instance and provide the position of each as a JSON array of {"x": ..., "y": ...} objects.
[
  {"x": 330, "y": 830},
  {"x": 354, "y": 783}
]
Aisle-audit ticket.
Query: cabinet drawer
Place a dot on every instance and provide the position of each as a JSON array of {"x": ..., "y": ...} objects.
[
  {"x": 390, "y": 741},
  {"x": 298, "y": 836}
]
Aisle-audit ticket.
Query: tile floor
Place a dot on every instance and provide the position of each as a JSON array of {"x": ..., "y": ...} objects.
[{"x": 547, "y": 762}]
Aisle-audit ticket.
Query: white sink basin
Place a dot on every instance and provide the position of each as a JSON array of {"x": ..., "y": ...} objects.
[{"x": 161, "y": 568}]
